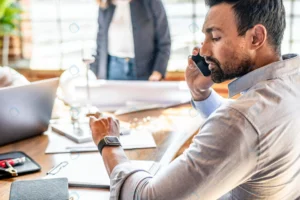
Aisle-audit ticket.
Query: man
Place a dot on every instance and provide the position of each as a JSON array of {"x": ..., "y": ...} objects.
[
  {"x": 9, "y": 77},
  {"x": 246, "y": 149}
]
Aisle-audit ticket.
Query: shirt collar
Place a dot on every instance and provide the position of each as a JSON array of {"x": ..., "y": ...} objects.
[{"x": 289, "y": 64}]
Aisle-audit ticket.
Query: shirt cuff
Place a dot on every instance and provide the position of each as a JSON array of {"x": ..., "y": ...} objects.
[
  {"x": 128, "y": 177},
  {"x": 209, "y": 105}
]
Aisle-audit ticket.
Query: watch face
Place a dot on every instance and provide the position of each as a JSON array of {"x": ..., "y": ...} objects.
[{"x": 112, "y": 140}]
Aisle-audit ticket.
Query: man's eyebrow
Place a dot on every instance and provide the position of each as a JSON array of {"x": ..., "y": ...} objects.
[{"x": 211, "y": 29}]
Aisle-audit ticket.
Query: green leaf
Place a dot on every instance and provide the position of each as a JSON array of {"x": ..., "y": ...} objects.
[
  {"x": 6, "y": 29},
  {"x": 10, "y": 19},
  {"x": 3, "y": 6},
  {"x": 12, "y": 12}
]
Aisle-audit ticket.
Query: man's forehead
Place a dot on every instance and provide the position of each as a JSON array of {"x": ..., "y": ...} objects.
[{"x": 219, "y": 17}]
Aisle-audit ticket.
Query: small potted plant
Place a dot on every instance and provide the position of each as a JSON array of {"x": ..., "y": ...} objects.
[{"x": 10, "y": 15}]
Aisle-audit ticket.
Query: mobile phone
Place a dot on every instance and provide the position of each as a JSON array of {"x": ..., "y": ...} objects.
[{"x": 201, "y": 64}]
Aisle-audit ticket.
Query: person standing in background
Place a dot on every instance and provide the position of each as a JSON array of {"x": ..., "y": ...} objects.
[{"x": 133, "y": 40}]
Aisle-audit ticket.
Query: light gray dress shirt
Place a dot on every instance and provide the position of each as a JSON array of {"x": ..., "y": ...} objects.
[{"x": 248, "y": 149}]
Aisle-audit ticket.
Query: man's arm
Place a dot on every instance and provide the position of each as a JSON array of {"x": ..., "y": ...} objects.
[
  {"x": 222, "y": 156},
  {"x": 207, "y": 106},
  {"x": 102, "y": 127},
  {"x": 113, "y": 156},
  {"x": 204, "y": 98}
]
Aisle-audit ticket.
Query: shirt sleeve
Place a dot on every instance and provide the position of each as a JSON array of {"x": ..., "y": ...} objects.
[
  {"x": 209, "y": 105},
  {"x": 208, "y": 169}
]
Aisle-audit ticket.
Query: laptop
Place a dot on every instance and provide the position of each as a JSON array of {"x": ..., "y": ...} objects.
[{"x": 25, "y": 111}]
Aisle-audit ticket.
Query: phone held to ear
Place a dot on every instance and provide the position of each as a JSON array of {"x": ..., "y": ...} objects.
[{"x": 201, "y": 64}]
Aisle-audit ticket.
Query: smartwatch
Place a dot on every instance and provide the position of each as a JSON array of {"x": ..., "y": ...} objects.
[{"x": 108, "y": 141}]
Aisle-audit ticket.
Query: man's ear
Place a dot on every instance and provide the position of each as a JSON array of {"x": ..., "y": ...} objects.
[{"x": 257, "y": 36}]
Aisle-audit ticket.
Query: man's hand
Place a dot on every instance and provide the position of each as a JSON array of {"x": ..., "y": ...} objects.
[
  {"x": 155, "y": 76},
  {"x": 103, "y": 126},
  {"x": 107, "y": 126},
  {"x": 199, "y": 85}
]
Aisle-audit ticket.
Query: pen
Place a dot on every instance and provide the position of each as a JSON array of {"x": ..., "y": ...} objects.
[
  {"x": 97, "y": 114},
  {"x": 12, "y": 162},
  {"x": 125, "y": 132}
]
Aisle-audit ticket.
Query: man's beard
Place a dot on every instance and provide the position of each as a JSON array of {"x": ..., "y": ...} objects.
[{"x": 231, "y": 70}]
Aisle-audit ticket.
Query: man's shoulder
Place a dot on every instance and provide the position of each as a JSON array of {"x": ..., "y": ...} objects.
[
  {"x": 250, "y": 104},
  {"x": 264, "y": 95},
  {"x": 266, "y": 101}
]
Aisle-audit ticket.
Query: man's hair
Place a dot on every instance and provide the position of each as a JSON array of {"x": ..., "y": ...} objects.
[{"x": 270, "y": 13}]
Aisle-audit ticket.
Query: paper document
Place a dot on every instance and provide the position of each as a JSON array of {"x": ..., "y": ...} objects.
[
  {"x": 142, "y": 106},
  {"x": 112, "y": 95},
  {"x": 89, "y": 171},
  {"x": 135, "y": 140}
]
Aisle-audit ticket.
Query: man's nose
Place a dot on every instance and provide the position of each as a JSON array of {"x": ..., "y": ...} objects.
[{"x": 205, "y": 49}]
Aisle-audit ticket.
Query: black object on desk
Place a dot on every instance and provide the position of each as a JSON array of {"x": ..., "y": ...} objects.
[
  {"x": 29, "y": 166},
  {"x": 201, "y": 64},
  {"x": 43, "y": 189}
]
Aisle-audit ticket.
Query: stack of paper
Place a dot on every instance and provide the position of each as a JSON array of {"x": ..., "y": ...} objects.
[{"x": 113, "y": 95}]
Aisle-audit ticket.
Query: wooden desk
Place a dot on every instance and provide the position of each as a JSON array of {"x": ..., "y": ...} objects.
[{"x": 176, "y": 126}]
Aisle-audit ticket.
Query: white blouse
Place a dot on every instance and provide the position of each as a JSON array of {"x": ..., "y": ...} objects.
[{"x": 120, "y": 35}]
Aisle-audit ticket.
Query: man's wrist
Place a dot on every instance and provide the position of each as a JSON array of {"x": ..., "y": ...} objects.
[
  {"x": 111, "y": 149},
  {"x": 108, "y": 141},
  {"x": 201, "y": 94}
]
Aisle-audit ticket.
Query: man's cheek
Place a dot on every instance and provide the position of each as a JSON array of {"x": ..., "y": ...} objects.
[
  {"x": 227, "y": 53},
  {"x": 227, "y": 56}
]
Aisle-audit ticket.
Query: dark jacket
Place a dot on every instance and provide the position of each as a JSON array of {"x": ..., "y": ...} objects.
[{"x": 151, "y": 37}]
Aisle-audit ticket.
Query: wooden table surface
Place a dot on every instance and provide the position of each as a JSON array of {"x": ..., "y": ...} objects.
[{"x": 173, "y": 126}]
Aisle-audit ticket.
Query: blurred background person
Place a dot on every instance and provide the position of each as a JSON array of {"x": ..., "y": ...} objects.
[
  {"x": 10, "y": 77},
  {"x": 133, "y": 40}
]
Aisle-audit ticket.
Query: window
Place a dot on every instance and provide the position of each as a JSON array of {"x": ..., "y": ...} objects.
[
  {"x": 186, "y": 28},
  {"x": 61, "y": 28}
]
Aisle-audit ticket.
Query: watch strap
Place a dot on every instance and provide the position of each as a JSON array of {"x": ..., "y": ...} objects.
[
  {"x": 104, "y": 143},
  {"x": 101, "y": 145}
]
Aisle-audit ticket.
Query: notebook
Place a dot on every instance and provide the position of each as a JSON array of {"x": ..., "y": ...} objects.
[
  {"x": 89, "y": 171},
  {"x": 46, "y": 189}
]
